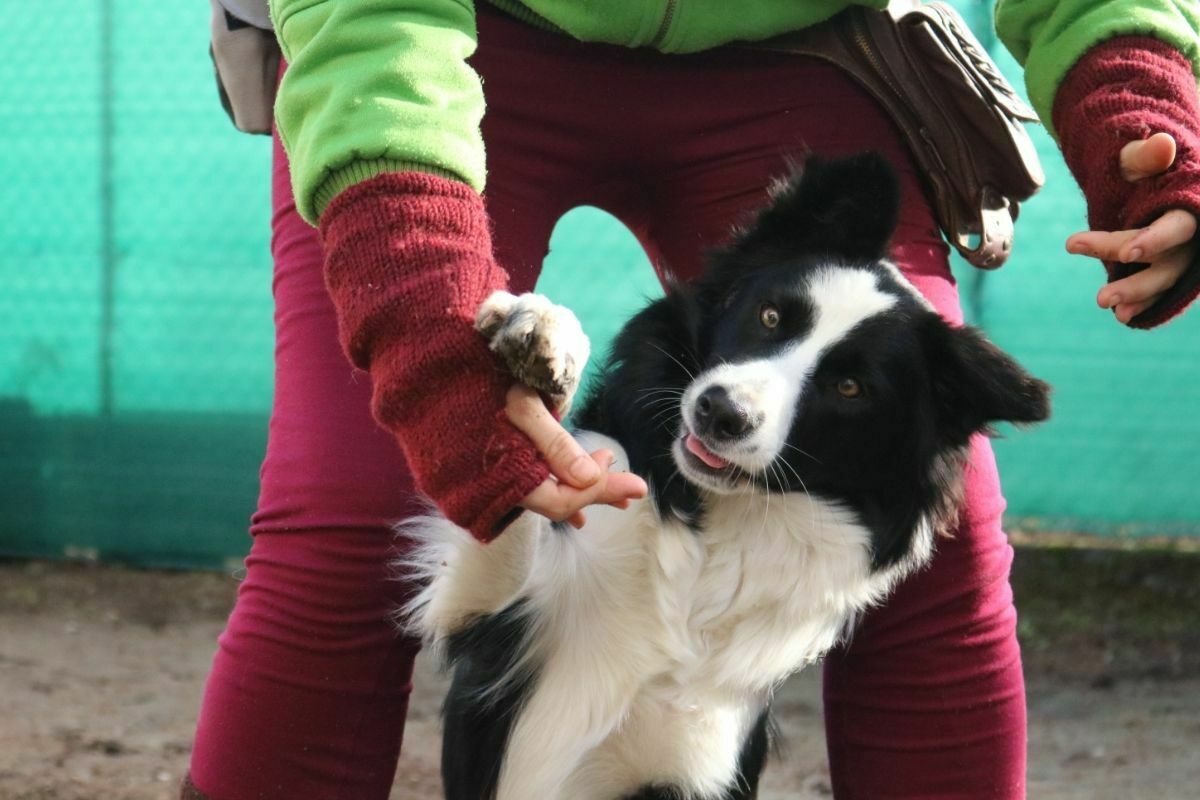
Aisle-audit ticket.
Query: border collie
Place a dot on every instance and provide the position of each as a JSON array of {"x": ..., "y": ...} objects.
[{"x": 801, "y": 415}]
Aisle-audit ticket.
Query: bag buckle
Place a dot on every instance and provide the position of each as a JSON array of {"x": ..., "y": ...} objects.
[{"x": 993, "y": 229}]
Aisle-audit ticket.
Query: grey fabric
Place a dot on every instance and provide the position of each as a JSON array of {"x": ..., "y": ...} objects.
[
  {"x": 256, "y": 12},
  {"x": 246, "y": 58}
]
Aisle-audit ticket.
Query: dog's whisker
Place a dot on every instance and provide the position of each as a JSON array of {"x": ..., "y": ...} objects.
[
  {"x": 669, "y": 403},
  {"x": 766, "y": 506},
  {"x": 673, "y": 358},
  {"x": 667, "y": 413},
  {"x": 650, "y": 402},
  {"x": 803, "y": 453},
  {"x": 662, "y": 390},
  {"x": 812, "y": 506},
  {"x": 783, "y": 462},
  {"x": 660, "y": 394},
  {"x": 670, "y": 480},
  {"x": 657, "y": 397}
]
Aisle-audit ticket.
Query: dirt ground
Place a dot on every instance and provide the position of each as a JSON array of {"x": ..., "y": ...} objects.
[{"x": 101, "y": 670}]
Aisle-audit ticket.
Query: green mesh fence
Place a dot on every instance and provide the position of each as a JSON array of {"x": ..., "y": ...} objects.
[{"x": 135, "y": 312}]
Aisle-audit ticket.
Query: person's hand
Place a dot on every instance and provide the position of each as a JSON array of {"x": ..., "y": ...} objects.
[
  {"x": 578, "y": 479},
  {"x": 1166, "y": 245}
]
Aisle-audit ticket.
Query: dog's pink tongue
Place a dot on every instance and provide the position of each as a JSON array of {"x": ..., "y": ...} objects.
[{"x": 701, "y": 452}]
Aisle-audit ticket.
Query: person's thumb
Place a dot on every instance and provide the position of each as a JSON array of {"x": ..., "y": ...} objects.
[
  {"x": 1146, "y": 157},
  {"x": 568, "y": 461}
]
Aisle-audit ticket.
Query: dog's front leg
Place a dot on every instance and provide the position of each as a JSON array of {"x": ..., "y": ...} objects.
[
  {"x": 590, "y": 593},
  {"x": 542, "y": 344},
  {"x": 561, "y": 723}
]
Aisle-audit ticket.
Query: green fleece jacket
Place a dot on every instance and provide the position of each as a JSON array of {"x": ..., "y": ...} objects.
[{"x": 383, "y": 85}]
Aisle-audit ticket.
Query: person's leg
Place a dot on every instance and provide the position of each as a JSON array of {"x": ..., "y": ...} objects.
[
  {"x": 928, "y": 700},
  {"x": 310, "y": 684},
  {"x": 544, "y": 157},
  {"x": 309, "y": 688}
]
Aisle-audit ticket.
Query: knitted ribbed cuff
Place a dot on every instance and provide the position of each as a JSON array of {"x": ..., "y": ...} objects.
[
  {"x": 1124, "y": 90},
  {"x": 363, "y": 169},
  {"x": 408, "y": 263}
]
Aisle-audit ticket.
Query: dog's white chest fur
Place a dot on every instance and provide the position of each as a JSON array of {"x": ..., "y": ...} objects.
[{"x": 655, "y": 645}]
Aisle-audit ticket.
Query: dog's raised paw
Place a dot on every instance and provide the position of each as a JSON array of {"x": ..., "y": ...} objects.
[{"x": 542, "y": 344}]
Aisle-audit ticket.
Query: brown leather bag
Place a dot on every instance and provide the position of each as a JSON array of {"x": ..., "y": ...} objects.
[{"x": 962, "y": 120}]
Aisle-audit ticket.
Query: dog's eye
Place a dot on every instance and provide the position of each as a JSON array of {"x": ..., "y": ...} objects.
[
  {"x": 849, "y": 388},
  {"x": 768, "y": 315}
]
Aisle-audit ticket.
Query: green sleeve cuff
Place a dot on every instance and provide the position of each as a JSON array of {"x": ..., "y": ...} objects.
[
  {"x": 358, "y": 171},
  {"x": 1048, "y": 37}
]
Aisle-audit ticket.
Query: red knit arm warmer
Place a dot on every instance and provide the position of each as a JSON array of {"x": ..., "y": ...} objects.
[
  {"x": 408, "y": 261},
  {"x": 1123, "y": 90}
]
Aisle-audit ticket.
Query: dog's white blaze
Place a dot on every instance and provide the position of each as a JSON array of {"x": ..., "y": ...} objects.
[
  {"x": 843, "y": 298},
  {"x": 770, "y": 388}
]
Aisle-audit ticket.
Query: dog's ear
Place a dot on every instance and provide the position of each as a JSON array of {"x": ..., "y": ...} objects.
[
  {"x": 975, "y": 383},
  {"x": 846, "y": 206}
]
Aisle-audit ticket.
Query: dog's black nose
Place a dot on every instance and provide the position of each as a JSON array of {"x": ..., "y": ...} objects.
[{"x": 719, "y": 417}]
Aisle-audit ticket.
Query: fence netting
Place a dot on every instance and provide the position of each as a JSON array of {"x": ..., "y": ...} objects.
[{"x": 136, "y": 313}]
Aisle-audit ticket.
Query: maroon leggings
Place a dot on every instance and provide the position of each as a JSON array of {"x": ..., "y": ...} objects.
[{"x": 310, "y": 685}]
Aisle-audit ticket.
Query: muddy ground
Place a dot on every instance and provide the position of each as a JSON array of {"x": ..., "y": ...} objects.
[{"x": 101, "y": 670}]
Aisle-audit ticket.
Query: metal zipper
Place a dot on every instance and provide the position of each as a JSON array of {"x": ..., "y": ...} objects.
[
  {"x": 665, "y": 25},
  {"x": 862, "y": 42}
]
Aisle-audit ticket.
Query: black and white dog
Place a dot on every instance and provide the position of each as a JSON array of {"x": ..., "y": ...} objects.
[{"x": 801, "y": 415}]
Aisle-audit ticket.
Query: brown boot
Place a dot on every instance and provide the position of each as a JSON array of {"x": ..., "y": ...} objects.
[{"x": 188, "y": 790}]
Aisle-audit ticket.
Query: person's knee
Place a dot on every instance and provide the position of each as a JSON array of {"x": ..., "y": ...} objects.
[{"x": 321, "y": 593}]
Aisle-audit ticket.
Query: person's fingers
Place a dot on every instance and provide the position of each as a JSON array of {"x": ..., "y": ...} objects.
[
  {"x": 561, "y": 502},
  {"x": 549, "y": 501},
  {"x": 622, "y": 487},
  {"x": 1172, "y": 229},
  {"x": 1127, "y": 311},
  {"x": 1145, "y": 286},
  {"x": 568, "y": 461},
  {"x": 1145, "y": 157},
  {"x": 1105, "y": 245}
]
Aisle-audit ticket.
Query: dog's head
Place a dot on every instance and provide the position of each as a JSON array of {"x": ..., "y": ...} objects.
[
  {"x": 823, "y": 370},
  {"x": 813, "y": 365}
]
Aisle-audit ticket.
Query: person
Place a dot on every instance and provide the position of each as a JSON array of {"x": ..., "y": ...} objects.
[{"x": 653, "y": 112}]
